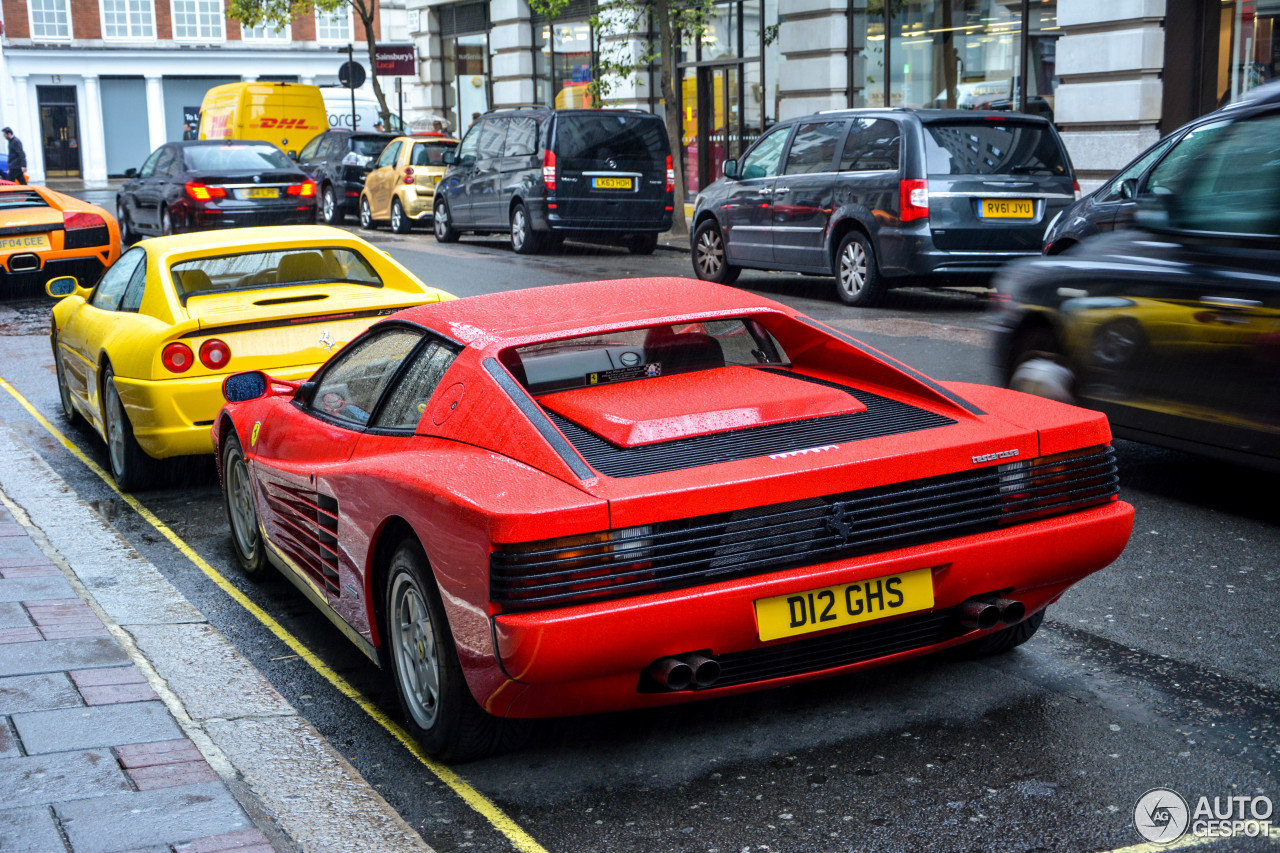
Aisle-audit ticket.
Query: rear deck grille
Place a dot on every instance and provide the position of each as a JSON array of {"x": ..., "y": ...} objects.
[{"x": 707, "y": 549}]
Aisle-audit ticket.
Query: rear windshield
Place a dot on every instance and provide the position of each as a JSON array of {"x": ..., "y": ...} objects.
[
  {"x": 257, "y": 270},
  {"x": 993, "y": 148},
  {"x": 215, "y": 158},
  {"x": 369, "y": 146},
  {"x": 641, "y": 354},
  {"x": 591, "y": 141},
  {"x": 430, "y": 153}
]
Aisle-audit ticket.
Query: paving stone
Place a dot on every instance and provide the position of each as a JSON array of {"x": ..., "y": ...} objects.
[
  {"x": 46, "y": 571},
  {"x": 20, "y": 635},
  {"x": 42, "y": 692},
  {"x": 13, "y": 615},
  {"x": 35, "y": 589},
  {"x": 8, "y": 742},
  {"x": 61, "y": 619},
  {"x": 169, "y": 775},
  {"x": 119, "y": 822},
  {"x": 99, "y": 725},
  {"x": 22, "y": 548},
  {"x": 55, "y": 655},
  {"x": 36, "y": 779},
  {"x": 248, "y": 841},
  {"x": 30, "y": 830},
  {"x": 30, "y": 557},
  {"x": 11, "y": 528},
  {"x": 157, "y": 752}
]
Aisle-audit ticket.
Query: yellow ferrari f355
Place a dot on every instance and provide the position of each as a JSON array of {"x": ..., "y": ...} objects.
[{"x": 142, "y": 355}]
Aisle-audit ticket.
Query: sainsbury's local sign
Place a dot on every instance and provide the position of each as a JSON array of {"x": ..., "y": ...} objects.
[{"x": 395, "y": 60}]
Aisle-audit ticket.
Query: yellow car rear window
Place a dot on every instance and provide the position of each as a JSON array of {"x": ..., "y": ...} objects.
[{"x": 278, "y": 268}]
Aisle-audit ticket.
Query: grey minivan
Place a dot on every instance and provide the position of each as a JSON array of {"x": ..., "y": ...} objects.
[{"x": 884, "y": 197}]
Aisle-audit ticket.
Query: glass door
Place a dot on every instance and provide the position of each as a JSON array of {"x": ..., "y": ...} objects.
[
  {"x": 59, "y": 130},
  {"x": 714, "y": 115}
]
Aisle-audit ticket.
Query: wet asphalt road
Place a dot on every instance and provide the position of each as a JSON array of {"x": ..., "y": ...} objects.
[{"x": 1159, "y": 671}]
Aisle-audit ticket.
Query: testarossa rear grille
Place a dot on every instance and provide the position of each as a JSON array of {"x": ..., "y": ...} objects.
[{"x": 882, "y": 417}]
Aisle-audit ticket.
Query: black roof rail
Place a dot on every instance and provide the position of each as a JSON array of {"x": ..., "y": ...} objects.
[{"x": 517, "y": 107}]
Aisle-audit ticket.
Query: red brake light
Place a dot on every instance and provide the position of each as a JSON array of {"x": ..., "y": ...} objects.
[
  {"x": 1075, "y": 185},
  {"x": 177, "y": 357},
  {"x": 203, "y": 192},
  {"x": 408, "y": 174},
  {"x": 671, "y": 175},
  {"x": 214, "y": 354},
  {"x": 306, "y": 189},
  {"x": 914, "y": 195},
  {"x": 75, "y": 221},
  {"x": 549, "y": 170}
]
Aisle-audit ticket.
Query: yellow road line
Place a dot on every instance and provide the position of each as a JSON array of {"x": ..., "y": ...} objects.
[
  {"x": 1186, "y": 842},
  {"x": 520, "y": 839}
]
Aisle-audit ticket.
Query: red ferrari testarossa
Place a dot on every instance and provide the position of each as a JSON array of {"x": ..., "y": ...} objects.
[{"x": 621, "y": 494}]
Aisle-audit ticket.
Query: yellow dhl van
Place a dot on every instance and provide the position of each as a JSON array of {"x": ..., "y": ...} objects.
[{"x": 288, "y": 115}]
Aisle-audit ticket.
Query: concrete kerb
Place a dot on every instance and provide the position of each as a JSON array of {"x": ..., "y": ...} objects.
[{"x": 227, "y": 733}]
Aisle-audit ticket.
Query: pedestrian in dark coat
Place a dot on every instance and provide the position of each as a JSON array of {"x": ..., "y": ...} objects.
[{"x": 17, "y": 157}]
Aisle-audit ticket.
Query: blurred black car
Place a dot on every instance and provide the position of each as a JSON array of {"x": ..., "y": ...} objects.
[
  {"x": 1171, "y": 328},
  {"x": 222, "y": 183},
  {"x": 1112, "y": 206},
  {"x": 338, "y": 161},
  {"x": 877, "y": 197}
]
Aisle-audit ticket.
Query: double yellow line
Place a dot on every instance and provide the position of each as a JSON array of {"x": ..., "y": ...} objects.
[{"x": 520, "y": 839}]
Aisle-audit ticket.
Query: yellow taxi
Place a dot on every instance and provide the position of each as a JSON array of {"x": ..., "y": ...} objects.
[
  {"x": 401, "y": 187},
  {"x": 45, "y": 234},
  {"x": 142, "y": 356}
]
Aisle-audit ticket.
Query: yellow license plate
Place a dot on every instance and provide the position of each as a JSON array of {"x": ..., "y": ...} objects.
[
  {"x": 846, "y": 604},
  {"x": 611, "y": 183},
  {"x": 1008, "y": 208},
  {"x": 260, "y": 192},
  {"x": 26, "y": 241}
]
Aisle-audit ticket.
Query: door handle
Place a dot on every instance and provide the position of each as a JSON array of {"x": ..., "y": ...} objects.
[
  {"x": 1230, "y": 302},
  {"x": 766, "y": 191},
  {"x": 782, "y": 190}
]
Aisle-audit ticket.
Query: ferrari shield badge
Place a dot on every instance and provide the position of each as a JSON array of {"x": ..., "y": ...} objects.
[{"x": 253, "y": 436}]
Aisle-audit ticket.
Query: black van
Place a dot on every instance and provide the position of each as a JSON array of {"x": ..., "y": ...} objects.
[
  {"x": 880, "y": 197},
  {"x": 541, "y": 175}
]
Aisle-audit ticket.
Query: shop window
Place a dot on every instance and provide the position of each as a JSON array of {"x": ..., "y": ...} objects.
[{"x": 563, "y": 61}]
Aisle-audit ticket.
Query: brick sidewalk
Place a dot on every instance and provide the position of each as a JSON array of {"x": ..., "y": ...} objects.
[{"x": 91, "y": 760}]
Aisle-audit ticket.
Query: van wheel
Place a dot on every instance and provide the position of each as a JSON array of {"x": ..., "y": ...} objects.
[
  {"x": 524, "y": 240},
  {"x": 330, "y": 212},
  {"x": 642, "y": 244},
  {"x": 858, "y": 280},
  {"x": 443, "y": 222},
  {"x": 400, "y": 223},
  {"x": 710, "y": 263},
  {"x": 366, "y": 215}
]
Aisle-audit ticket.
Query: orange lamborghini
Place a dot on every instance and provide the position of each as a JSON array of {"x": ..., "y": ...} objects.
[{"x": 45, "y": 234}]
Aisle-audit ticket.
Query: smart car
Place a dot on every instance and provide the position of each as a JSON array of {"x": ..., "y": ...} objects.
[{"x": 401, "y": 186}]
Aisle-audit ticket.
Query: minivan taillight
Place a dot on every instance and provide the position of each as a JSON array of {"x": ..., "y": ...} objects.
[
  {"x": 915, "y": 199},
  {"x": 671, "y": 176},
  {"x": 1075, "y": 185},
  {"x": 549, "y": 170}
]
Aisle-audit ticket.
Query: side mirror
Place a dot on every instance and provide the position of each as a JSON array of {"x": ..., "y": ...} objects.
[
  {"x": 449, "y": 157},
  {"x": 131, "y": 173},
  {"x": 293, "y": 155},
  {"x": 730, "y": 169},
  {"x": 239, "y": 387},
  {"x": 63, "y": 285},
  {"x": 1129, "y": 188}
]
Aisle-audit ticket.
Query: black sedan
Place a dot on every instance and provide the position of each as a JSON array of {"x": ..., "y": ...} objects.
[
  {"x": 193, "y": 186},
  {"x": 1171, "y": 328}
]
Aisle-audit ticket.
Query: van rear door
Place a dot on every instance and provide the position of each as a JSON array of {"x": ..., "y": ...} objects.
[{"x": 611, "y": 170}]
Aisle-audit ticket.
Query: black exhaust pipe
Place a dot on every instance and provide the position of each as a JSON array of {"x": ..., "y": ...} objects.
[
  {"x": 673, "y": 673},
  {"x": 705, "y": 670},
  {"x": 981, "y": 615},
  {"x": 1011, "y": 612}
]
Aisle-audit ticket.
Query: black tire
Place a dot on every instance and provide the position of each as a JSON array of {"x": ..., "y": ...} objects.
[
  {"x": 242, "y": 516},
  {"x": 366, "y": 215},
  {"x": 423, "y": 665},
  {"x": 710, "y": 261},
  {"x": 524, "y": 240},
  {"x": 69, "y": 410},
  {"x": 1039, "y": 366},
  {"x": 1004, "y": 640},
  {"x": 130, "y": 465},
  {"x": 166, "y": 223},
  {"x": 331, "y": 210},
  {"x": 127, "y": 235},
  {"x": 858, "y": 279},
  {"x": 642, "y": 244},
  {"x": 442, "y": 223},
  {"x": 400, "y": 222}
]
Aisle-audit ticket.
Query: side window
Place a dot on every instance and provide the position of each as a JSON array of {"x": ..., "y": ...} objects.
[
  {"x": 522, "y": 138},
  {"x": 470, "y": 145},
  {"x": 150, "y": 165},
  {"x": 408, "y": 400},
  {"x": 814, "y": 147},
  {"x": 389, "y": 154},
  {"x": 1112, "y": 192},
  {"x": 1172, "y": 168},
  {"x": 167, "y": 165},
  {"x": 312, "y": 148},
  {"x": 762, "y": 162},
  {"x": 1234, "y": 186},
  {"x": 354, "y": 380},
  {"x": 492, "y": 134},
  {"x": 132, "y": 299},
  {"x": 115, "y": 281},
  {"x": 872, "y": 145}
]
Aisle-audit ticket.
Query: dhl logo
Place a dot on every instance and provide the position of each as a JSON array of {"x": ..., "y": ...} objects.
[{"x": 284, "y": 123}]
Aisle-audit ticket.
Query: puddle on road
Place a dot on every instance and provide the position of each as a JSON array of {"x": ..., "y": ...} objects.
[{"x": 25, "y": 317}]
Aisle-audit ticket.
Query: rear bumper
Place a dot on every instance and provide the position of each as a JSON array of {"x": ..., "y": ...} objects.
[
  {"x": 248, "y": 217},
  {"x": 87, "y": 270},
  {"x": 172, "y": 417},
  {"x": 639, "y": 219},
  {"x": 911, "y": 251},
  {"x": 591, "y": 659}
]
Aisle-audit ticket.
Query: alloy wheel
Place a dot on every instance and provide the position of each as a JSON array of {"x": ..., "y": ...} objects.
[
  {"x": 441, "y": 220},
  {"x": 244, "y": 518},
  {"x": 416, "y": 655},
  {"x": 366, "y": 215},
  {"x": 853, "y": 268},
  {"x": 115, "y": 430},
  {"x": 518, "y": 223},
  {"x": 710, "y": 253},
  {"x": 329, "y": 206}
]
